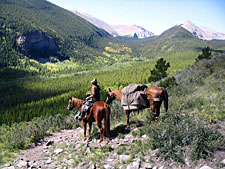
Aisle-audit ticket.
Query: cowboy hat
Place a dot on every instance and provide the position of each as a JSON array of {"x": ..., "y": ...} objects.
[{"x": 94, "y": 81}]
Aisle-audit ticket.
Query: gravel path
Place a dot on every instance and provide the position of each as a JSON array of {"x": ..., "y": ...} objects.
[{"x": 66, "y": 149}]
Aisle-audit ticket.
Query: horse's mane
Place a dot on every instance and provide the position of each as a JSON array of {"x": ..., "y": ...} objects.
[{"x": 77, "y": 102}]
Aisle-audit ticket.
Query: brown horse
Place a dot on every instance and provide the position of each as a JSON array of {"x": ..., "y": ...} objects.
[
  {"x": 100, "y": 110},
  {"x": 155, "y": 96}
]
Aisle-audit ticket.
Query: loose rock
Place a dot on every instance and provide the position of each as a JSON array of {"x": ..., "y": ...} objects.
[
  {"x": 108, "y": 166},
  {"x": 57, "y": 151},
  {"x": 124, "y": 158},
  {"x": 206, "y": 167}
]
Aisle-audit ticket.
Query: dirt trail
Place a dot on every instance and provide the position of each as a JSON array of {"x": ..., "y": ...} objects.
[{"x": 66, "y": 149}]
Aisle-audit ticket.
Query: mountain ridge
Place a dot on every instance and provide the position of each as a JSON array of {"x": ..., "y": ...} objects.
[
  {"x": 135, "y": 31},
  {"x": 201, "y": 32},
  {"x": 140, "y": 32},
  {"x": 46, "y": 24},
  {"x": 117, "y": 30}
]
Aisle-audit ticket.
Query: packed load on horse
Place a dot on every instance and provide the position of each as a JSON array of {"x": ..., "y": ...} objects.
[
  {"x": 155, "y": 96},
  {"x": 134, "y": 97}
]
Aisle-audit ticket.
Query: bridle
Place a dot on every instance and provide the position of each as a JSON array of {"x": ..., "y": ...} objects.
[
  {"x": 71, "y": 105},
  {"x": 109, "y": 98}
]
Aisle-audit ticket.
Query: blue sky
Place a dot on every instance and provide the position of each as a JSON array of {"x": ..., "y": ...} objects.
[{"x": 154, "y": 15}]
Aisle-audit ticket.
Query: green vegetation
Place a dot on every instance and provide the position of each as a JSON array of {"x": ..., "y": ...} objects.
[
  {"x": 175, "y": 41},
  {"x": 79, "y": 39},
  {"x": 25, "y": 98},
  {"x": 168, "y": 82},
  {"x": 159, "y": 71},
  {"x": 206, "y": 54},
  {"x": 192, "y": 111},
  {"x": 187, "y": 129},
  {"x": 34, "y": 95},
  {"x": 21, "y": 135}
]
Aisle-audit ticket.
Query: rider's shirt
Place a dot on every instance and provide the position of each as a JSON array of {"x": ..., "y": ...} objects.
[{"x": 95, "y": 92}]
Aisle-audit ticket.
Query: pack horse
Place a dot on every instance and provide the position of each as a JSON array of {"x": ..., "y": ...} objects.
[{"x": 136, "y": 97}]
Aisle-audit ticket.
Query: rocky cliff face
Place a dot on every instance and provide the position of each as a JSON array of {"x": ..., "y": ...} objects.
[{"x": 37, "y": 44}]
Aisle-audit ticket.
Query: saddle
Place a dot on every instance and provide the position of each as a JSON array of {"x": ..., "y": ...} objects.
[
  {"x": 84, "y": 109},
  {"x": 87, "y": 105}
]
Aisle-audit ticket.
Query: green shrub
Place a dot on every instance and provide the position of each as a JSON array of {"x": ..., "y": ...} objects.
[
  {"x": 169, "y": 82},
  {"x": 106, "y": 149},
  {"x": 121, "y": 149},
  {"x": 19, "y": 136},
  {"x": 159, "y": 71},
  {"x": 206, "y": 54},
  {"x": 176, "y": 131}
]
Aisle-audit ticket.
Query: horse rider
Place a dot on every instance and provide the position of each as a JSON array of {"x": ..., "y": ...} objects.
[
  {"x": 91, "y": 97},
  {"x": 95, "y": 91}
]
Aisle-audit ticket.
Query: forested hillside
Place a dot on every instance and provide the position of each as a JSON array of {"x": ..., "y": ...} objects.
[
  {"x": 174, "y": 41},
  {"x": 24, "y": 20},
  {"x": 37, "y": 29}
]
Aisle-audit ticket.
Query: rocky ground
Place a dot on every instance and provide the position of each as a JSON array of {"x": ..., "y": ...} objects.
[{"x": 66, "y": 149}]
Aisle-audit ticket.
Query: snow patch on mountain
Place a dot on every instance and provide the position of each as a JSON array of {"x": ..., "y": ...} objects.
[
  {"x": 132, "y": 31},
  {"x": 97, "y": 22},
  {"x": 117, "y": 30},
  {"x": 201, "y": 32}
]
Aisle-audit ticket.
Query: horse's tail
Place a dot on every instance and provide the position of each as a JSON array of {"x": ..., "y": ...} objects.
[
  {"x": 107, "y": 120},
  {"x": 165, "y": 98}
]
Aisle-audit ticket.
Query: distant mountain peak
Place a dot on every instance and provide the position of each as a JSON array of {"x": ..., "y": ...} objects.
[
  {"x": 97, "y": 22},
  {"x": 132, "y": 31},
  {"x": 201, "y": 32},
  {"x": 117, "y": 30},
  {"x": 186, "y": 22}
]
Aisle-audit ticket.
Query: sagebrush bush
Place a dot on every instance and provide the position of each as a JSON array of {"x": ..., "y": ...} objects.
[
  {"x": 169, "y": 82},
  {"x": 20, "y": 136},
  {"x": 177, "y": 130}
]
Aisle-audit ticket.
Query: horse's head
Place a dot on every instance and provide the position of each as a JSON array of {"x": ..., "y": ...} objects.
[
  {"x": 110, "y": 97},
  {"x": 70, "y": 104}
]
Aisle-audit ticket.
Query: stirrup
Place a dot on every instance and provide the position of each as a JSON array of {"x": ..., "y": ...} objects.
[{"x": 78, "y": 117}]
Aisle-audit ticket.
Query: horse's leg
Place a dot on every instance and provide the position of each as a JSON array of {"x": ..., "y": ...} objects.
[
  {"x": 153, "y": 108},
  {"x": 99, "y": 124},
  {"x": 89, "y": 130},
  {"x": 84, "y": 126},
  {"x": 156, "y": 109},
  {"x": 127, "y": 116},
  {"x": 158, "y": 104}
]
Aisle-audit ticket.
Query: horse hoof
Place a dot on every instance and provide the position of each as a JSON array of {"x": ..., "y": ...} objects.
[
  {"x": 127, "y": 128},
  {"x": 100, "y": 141}
]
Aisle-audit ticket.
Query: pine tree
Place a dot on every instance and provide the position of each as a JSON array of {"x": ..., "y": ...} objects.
[
  {"x": 206, "y": 54},
  {"x": 159, "y": 71}
]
